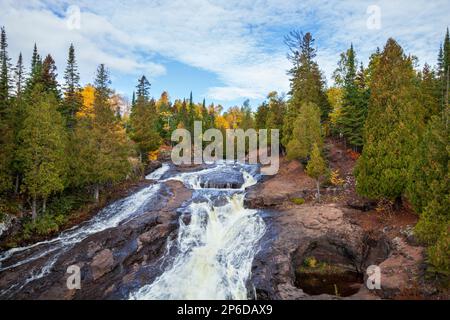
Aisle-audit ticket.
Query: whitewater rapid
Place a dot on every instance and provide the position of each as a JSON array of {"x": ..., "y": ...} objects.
[{"x": 215, "y": 250}]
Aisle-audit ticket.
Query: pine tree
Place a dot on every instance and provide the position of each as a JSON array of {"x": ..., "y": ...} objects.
[
  {"x": 101, "y": 147},
  {"x": 394, "y": 122},
  {"x": 307, "y": 83},
  {"x": 73, "y": 99},
  {"x": 42, "y": 150},
  {"x": 307, "y": 132},
  {"x": 316, "y": 168}
]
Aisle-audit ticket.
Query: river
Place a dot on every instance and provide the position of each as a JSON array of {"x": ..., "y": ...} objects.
[{"x": 210, "y": 257}]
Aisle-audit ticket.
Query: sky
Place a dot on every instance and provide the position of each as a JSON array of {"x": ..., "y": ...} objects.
[{"x": 225, "y": 51}]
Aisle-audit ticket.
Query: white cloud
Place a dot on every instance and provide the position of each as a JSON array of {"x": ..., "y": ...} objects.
[{"x": 239, "y": 41}]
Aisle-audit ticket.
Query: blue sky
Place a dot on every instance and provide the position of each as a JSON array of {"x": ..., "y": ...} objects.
[{"x": 224, "y": 50}]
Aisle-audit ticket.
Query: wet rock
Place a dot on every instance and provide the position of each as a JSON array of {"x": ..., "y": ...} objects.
[
  {"x": 152, "y": 166},
  {"x": 102, "y": 263},
  {"x": 112, "y": 262},
  {"x": 226, "y": 179}
]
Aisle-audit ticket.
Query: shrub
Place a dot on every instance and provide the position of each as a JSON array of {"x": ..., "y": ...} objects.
[{"x": 44, "y": 225}]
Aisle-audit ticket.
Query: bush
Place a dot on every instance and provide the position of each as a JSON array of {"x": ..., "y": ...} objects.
[
  {"x": 44, "y": 225},
  {"x": 439, "y": 256}
]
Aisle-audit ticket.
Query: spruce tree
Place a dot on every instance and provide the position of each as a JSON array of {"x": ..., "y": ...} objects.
[
  {"x": 354, "y": 101},
  {"x": 395, "y": 119},
  {"x": 19, "y": 76},
  {"x": 73, "y": 99},
  {"x": 5, "y": 76},
  {"x": 42, "y": 148}
]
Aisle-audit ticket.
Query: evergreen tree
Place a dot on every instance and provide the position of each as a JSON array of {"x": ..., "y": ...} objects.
[
  {"x": 353, "y": 111},
  {"x": 429, "y": 192},
  {"x": 48, "y": 77},
  {"x": 143, "y": 89},
  {"x": 19, "y": 77},
  {"x": 42, "y": 149},
  {"x": 36, "y": 72},
  {"x": 73, "y": 99},
  {"x": 143, "y": 121},
  {"x": 307, "y": 132},
  {"x": 5, "y": 76},
  {"x": 395, "y": 119},
  {"x": 430, "y": 93},
  {"x": 101, "y": 146},
  {"x": 5, "y": 112},
  {"x": 316, "y": 168},
  {"x": 261, "y": 116},
  {"x": 307, "y": 83},
  {"x": 275, "y": 115}
]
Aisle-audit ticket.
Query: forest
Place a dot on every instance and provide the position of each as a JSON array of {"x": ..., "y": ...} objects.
[{"x": 65, "y": 146}]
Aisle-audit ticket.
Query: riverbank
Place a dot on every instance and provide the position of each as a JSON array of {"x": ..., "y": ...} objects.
[{"x": 321, "y": 250}]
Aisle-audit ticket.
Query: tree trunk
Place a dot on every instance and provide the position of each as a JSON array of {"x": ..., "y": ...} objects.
[
  {"x": 96, "y": 193},
  {"x": 140, "y": 156},
  {"x": 44, "y": 205},
  {"x": 33, "y": 209},
  {"x": 318, "y": 189},
  {"x": 16, "y": 186}
]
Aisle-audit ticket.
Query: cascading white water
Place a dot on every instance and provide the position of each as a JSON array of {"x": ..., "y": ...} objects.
[{"x": 214, "y": 251}]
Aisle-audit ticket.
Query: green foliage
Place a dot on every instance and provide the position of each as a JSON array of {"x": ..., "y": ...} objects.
[
  {"x": 394, "y": 122},
  {"x": 73, "y": 99},
  {"x": 44, "y": 225},
  {"x": 307, "y": 131},
  {"x": 143, "y": 127},
  {"x": 101, "y": 148},
  {"x": 350, "y": 121},
  {"x": 43, "y": 141},
  {"x": 316, "y": 167},
  {"x": 428, "y": 178}
]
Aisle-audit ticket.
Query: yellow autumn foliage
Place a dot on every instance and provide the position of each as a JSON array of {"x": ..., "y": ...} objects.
[{"x": 87, "y": 109}]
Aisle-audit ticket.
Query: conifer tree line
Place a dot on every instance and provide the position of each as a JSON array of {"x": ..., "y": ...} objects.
[{"x": 393, "y": 115}]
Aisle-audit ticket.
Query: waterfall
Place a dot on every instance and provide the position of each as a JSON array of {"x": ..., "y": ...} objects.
[{"x": 214, "y": 251}]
